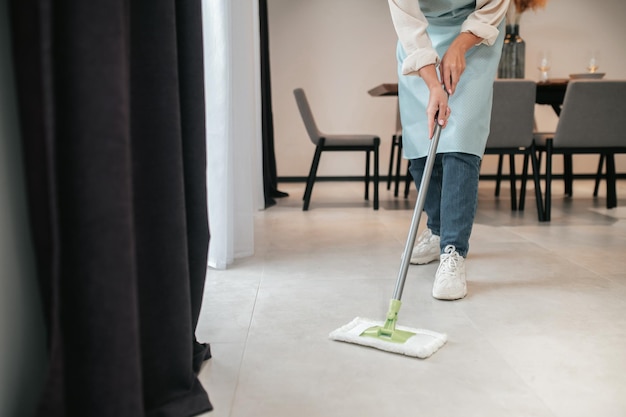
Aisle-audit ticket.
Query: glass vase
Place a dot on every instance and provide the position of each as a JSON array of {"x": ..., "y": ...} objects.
[{"x": 513, "y": 58}]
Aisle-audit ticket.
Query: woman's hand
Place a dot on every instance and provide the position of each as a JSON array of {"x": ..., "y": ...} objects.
[
  {"x": 437, "y": 100},
  {"x": 453, "y": 61},
  {"x": 437, "y": 110}
]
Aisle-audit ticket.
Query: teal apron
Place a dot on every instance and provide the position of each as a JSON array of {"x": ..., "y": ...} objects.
[{"x": 468, "y": 126}]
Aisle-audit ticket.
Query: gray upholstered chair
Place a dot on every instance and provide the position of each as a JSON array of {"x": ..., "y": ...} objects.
[
  {"x": 511, "y": 133},
  {"x": 592, "y": 121},
  {"x": 367, "y": 143}
]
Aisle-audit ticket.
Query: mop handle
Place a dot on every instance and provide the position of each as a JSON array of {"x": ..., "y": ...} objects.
[{"x": 417, "y": 212}]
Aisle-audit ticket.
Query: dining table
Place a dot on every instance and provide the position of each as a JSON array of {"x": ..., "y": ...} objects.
[{"x": 550, "y": 92}]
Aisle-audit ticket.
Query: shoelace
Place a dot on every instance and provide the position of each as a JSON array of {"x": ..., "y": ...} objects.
[{"x": 449, "y": 260}]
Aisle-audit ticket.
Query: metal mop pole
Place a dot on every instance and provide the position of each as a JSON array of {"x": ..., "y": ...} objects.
[{"x": 417, "y": 212}]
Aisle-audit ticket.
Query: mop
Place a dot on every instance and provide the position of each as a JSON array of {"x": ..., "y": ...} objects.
[{"x": 385, "y": 335}]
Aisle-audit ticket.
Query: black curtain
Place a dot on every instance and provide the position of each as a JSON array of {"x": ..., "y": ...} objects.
[
  {"x": 270, "y": 179},
  {"x": 112, "y": 113}
]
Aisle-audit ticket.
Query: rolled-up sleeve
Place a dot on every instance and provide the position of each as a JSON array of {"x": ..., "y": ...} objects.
[
  {"x": 484, "y": 21},
  {"x": 410, "y": 24}
]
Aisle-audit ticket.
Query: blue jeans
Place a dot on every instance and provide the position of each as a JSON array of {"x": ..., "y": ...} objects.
[{"x": 452, "y": 197}]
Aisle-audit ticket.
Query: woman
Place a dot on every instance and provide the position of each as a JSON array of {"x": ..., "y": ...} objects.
[{"x": 455, "y": 44}]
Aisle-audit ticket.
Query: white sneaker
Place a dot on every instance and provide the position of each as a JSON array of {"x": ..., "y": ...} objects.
[
  {"x": 426, "y": 250},
  {"x": 450, "y": 283}
]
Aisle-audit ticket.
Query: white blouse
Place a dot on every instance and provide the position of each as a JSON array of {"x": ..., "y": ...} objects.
[{"x": 410, "y": 24}]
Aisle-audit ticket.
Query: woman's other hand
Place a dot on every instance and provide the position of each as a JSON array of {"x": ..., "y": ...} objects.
[{"x": 453, "y": 61}]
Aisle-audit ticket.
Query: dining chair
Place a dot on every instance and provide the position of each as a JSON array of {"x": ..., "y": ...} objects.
[
  {"x": 511, "y": 134},
  {"x": 395, "y": 162},
  {"x": 367, "y": 143},
  {"x": 592, "y": 121}
]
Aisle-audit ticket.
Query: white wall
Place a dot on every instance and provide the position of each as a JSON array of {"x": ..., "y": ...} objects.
[
  {"x": 22, "y": 341},
  {"x": 337, "y": 50}
]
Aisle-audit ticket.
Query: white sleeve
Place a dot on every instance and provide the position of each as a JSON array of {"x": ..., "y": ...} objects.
[
  {"x": 484, "y": 21},
  {"x": 410, "y": 24}
]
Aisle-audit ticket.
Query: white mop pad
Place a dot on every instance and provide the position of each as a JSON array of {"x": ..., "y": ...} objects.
[{"x": 422, "y": 345}]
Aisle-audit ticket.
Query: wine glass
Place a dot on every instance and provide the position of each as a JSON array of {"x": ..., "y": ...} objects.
[
  {"x": 592, "y": 66},
  {"x": 543, "y": 64}
]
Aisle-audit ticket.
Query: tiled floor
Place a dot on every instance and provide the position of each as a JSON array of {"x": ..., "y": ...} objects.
[{"x": 541, "y": 333}]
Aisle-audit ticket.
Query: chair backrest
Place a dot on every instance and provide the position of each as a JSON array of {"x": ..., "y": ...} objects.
[
  {"x": 593, "y": 115},
  {"x": 307, "y": 115},
  {"x": 512, "y": 114}
]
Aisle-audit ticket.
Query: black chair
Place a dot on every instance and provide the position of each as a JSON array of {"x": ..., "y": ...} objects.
[
  {"x": 511, "y": 134},
  {"x": 343, "y": 143},
  {"x": 395, "y": 166},
  {"x": 592, "y": 121}
]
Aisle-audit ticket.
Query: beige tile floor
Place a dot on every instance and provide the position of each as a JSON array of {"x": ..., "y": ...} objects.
[{"x": 541, "y": 333}]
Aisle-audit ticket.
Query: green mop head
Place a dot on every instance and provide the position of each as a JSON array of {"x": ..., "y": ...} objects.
[{"x": 419, "y": 343}]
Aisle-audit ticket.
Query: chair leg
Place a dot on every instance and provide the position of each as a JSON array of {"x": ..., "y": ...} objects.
[
  {"x": 548, "y": 195},
  {"x": 596, "y": 187},
  {"x": 513, "y": 182},
  {"x": 367, "y": 175},
  {"x": 398, "y": 166},
  {"x": 611, "y": 194},
  {"x": 391, "y": 158},
  {"x": 568, "y": 169},
  {"x": 312, "y": 174},
  {"x": 522, "y": 192},
  {"x": 408, "y": 180},
  {"x": 499, "y": 175},
  {"x": 539, "y": 154},
  {"x": 376, "y": 177},
  {"x": 535, "y": 164}
]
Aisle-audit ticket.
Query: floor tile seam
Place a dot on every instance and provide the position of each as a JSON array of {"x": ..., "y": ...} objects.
[
  {"x": 526, "y": 240},
  {"x": 598, "y": 275},
  {"x": 573, "y": 261},
  {"x": 533, "y": 240},
  {"x": 543, "y": 246},
  {"x": 238, "y": 372},
  {"x": 245, "y": 343},
  {"x": 614, "y": 279}
]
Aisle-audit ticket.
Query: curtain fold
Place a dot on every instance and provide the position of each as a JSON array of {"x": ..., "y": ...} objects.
[
  {"x": 270, "y": 176},
  {"x": 234, "y": 165},
  {"x": 112, "y": 111}
]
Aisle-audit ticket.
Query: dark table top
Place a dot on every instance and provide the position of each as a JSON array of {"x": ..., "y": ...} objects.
[
  {"x": 551, "y": 92},
  {"x": 382, "y": 90}
]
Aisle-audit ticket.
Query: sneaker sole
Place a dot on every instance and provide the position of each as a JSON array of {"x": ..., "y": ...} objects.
[
  {"x": 450, "y": 296},
  {"x": 423, "y": 260}
]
